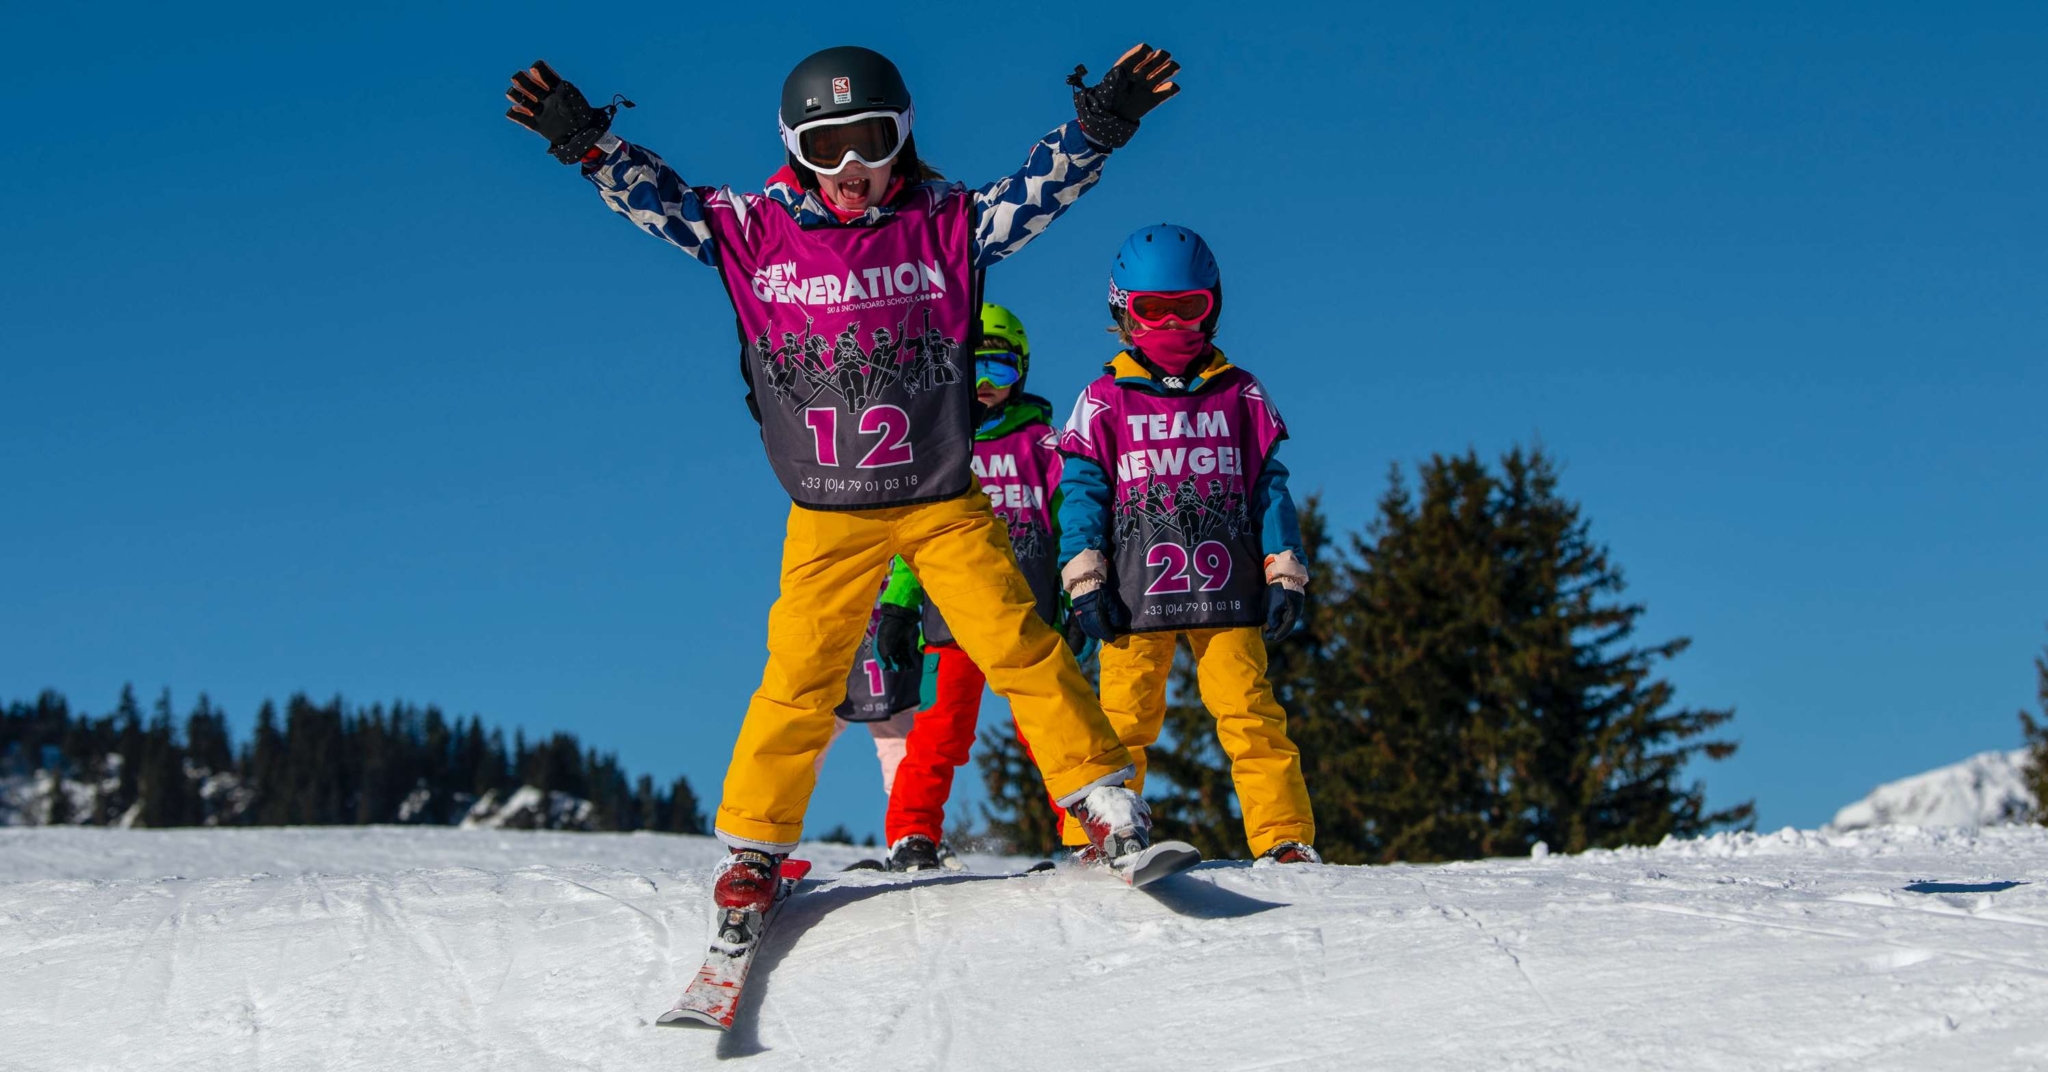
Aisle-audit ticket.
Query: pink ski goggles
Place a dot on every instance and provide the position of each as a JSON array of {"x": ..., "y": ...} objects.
[{"x": 1153, "y": 308}]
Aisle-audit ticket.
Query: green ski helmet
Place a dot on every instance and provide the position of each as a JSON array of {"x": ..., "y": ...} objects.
[{"x": 1001, "y": 330}]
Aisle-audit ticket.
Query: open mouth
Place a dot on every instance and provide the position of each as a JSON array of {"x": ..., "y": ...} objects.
[{"x": 853, "y": 191}]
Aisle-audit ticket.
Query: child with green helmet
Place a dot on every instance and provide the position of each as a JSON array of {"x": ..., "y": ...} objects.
[{"x": 1017, "y": 461}]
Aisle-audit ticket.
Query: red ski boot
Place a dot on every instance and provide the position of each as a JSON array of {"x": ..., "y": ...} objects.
[
  {"x": 1288, "y": 852},
  {"x": 1116, "y": 821},
  {"x": 1119, "y": 828},
  {"x": 746, "y": 879}
]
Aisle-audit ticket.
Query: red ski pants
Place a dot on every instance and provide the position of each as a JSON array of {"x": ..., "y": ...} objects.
[{"x": 940, "y": 741}]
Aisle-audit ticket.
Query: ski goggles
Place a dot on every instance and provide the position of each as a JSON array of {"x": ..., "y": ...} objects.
[
  {"x": 1154, "y": 307},
  {"x": 996, "y": 368},
  {"x": 827, "y": 145}
]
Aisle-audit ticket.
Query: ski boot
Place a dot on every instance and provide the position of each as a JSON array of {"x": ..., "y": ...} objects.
[
  {"x": 913, "y": 852},
  {"x": 747, "y": 880},
  {"x": 949, "y": 859},
  {"x": 1287, "y": 852},
  {"x": 1116, "y": 821}
]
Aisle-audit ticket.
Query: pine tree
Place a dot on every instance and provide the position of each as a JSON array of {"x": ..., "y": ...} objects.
[
  {"x": 439, "y": 762},
  {"x": 166, "y": 796},
  {"x": 57, "y": 810},
  {"x": 645, "y": 814},
  {"x": 2035, "y": 771},
  {"x": 266, "y": 771},
  {"x": 372, "y": 800},
  {"x": 123, "y": 757},
  {"x": 317, "y": 763},
  {"x": 206, "y": 737},
  {"x": 1464, "y": 687},
  {"x": 684, "y": 814}
]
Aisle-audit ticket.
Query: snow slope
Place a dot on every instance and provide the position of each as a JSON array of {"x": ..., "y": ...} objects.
[
  {"x": 448, "y": 949},
  {"x": 1983, "y": 790}
]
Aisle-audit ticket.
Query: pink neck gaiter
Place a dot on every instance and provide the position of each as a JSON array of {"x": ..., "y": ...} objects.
[{"x": 1172, "y": 350}]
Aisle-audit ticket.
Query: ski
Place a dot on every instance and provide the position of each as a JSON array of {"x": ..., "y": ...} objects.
[
  {"x": 1149, "y": 865},
  {"x": 713, "y": 997},
  {"x": 866, "y": 865}
]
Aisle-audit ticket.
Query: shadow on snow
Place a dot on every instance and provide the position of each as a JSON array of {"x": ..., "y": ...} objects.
[
  {"x": 1179, "y": 894},
  {"x": 1961, "y": 887}
]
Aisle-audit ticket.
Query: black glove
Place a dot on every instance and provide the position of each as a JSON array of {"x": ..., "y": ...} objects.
[
  {"x": 896, "y": 646},
  {"x": 1101, "y": 614},
  {"x": 555, "y": 109},
  {"x": 1283, "y": 611},
  {"x": 1076, "y": 635},
  {"x": 1110, "y": 109}
]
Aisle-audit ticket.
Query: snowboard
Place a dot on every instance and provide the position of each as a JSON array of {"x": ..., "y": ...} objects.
[{"x": 713, "y": 997}]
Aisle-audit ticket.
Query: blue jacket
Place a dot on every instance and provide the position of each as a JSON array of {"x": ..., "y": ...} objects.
[
  {"x": 1008, "y": 213},
  {"x": 1088, "y": 497}
]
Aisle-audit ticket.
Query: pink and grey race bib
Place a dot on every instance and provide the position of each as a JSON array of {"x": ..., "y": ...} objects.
[
  {"x": 1019, "y": 471},
  {"x": 857, "y": 342},
  {"x": 1185, "y": 546}
]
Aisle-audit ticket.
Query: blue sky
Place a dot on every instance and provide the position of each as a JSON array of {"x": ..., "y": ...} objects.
[{"x": 319, "y": 375}]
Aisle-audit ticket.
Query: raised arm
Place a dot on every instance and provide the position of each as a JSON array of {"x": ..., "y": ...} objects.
[
  {"x": 1011, "y": 211},
  {"x": 636, "y": 183},
  {"x": 642, "y": 187}
]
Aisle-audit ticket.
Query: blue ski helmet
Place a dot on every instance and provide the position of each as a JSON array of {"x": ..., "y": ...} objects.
[{"x": 1168, "y": 257}]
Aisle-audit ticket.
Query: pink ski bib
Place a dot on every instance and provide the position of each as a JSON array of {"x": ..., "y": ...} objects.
[
  {"x": 853, "y": 339},
  {"x": 1019, "y": 471},
  {"x": 1185, "y": 550}
]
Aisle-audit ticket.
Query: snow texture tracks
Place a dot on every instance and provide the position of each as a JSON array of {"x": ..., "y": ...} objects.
[{"x": 1885, "y": 949}]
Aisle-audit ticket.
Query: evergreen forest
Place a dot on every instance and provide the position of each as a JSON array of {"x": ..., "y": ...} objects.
[{"x": 315, "y": 764}]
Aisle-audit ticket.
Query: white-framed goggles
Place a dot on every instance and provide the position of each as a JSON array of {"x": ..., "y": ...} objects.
[{"x": 827, "y": 145}]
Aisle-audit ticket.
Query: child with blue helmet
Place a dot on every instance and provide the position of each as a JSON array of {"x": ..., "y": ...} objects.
[{"x": 1175, "y": 522}]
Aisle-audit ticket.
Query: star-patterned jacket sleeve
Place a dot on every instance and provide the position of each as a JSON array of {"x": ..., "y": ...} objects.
[
  {"x": 1011, "y": 211},
  {"x": 640, "y": 186}
]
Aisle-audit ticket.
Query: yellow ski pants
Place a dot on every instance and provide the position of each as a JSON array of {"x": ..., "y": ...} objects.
[
  {"x": 833, "y": 563},
  {"x": 1230, "y": 669}
]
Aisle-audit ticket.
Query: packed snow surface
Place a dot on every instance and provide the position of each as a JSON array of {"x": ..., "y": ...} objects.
[
  {"x": 1983, "y": 790},
  {"x": 387, "y": 948}
]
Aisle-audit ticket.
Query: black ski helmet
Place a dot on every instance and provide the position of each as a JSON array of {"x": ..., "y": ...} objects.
[{"x": 843, "y": 80}]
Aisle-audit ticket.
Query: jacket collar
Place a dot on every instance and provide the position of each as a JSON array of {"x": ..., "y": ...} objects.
[
  {"x": 811, "y": 208},
  {"x": 1019, "y": 411},
  {"x": 1131, "y": 372}
]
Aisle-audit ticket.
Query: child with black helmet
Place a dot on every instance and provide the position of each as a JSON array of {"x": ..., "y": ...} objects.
[
  {"x": 855, "y": 278},
  {"x": 1175, "y": 523}
]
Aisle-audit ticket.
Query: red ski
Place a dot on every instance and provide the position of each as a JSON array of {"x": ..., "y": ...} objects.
[{"x": 714, "y": 995}]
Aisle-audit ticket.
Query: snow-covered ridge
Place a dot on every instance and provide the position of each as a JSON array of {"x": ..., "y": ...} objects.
[
  {"x": 26, "y": 798},
  {"x": 1983, "y": 790},
  {"x": 429, "y": 947}
]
